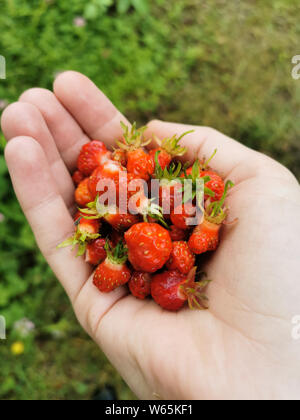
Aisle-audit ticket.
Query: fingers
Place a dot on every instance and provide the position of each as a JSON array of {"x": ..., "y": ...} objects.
[
  {"x": 202, "y": 143},
  {"x": 93, "y": 111},
  {"x": 25, "y": 120},
  {"x": 67, "y": 133},
  {"x": 45, "y": 210}
]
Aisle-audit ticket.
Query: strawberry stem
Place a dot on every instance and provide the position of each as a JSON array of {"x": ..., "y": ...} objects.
[
  {"x": 219, "y": 204},
  {"x": 155, "y": 212},
  {"x": 133, "y": 138},
  {"x": 80, "y": 239},
  {"x": 172, "y": 173},
  {"x": 117, "y": 255},
  {"x": 193, "y": 290},
  {"x": 205, "y": 165},
  {"x": 171, "y": 144},
  {"x": 195, "y": 178}
]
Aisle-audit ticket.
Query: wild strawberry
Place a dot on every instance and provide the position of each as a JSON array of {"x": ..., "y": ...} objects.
[
  {"x": 128, "y": 187},
  {"x": 139, "y": 203},
  {"x": 77, "y": 177},
  {"x": 206, "y": 236},
  {"x": 215, "y": 184},
  {"x": 121, "y": 222},
  {"x": 170, "y": 186},
  {"x": 110, "y": 170},
  {"x": 113, "y": 272},
  {"x": 139, "y": 163},
  {"x": 199, "y": 167},
  {"x": 79, "y": 215},
  {"x": 120, "y": 155},
  {"x": 171, "y": 290},
  {"x": 164, "y": 157},
  {"x": 82, "y": 193},
  {"x": 185, "y": 216},
  {"x": 168, "y": 149},
  {"x": 111, "y": 215},
  {"x": 95, "y": 252},
  {"x": 140, "y": 284},
  {"x": 195, "y": 186},
  {"x": 177, "y": 234},
  {"x": 181, "y": 259},
  {"x": 146, "y": 208},
  {"x": 149, "y": 246},
  {"x": 92, "y": 155},
  {"x": 86, "y": 231}
]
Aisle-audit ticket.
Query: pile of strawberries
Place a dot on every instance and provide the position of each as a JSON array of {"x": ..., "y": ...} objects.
[{"x": 149, "y": 244}]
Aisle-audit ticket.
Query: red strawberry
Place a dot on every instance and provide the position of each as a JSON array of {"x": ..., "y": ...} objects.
[
  {"x": 138, "y": 202},
  {"x": 177, "y": 234},
  {"x": 199, "y": 167},
  {"x": 95, "y": 252},
  {"x": 109, "y": 170},
  {"x": 181, "y": 259},
  {"x": 170, "y": 194},
  {"x": 86, "y": 231},
  {"x": 184, "y": 214},
  {"x": 82, "y": 193},
  {"x": 168, "y": 149},
  {"x": 149, "y": 246},
  {"x": 206, "y": 236},
  {"x": 140, "y": 164},
  {"x": 120, "y": 155},
  {"x": 79, "y": 215},
  {"x": 121, "y": 222},
  {"x": 140, "y": 284},
  {"x": 128, "y": 187},
  {"x": 113, "y": 272},
  {"x": 216, "y": 184},
  {"x": 77, "y": 177},
  {"x": 164, "y": 158},
  {"x": 86, "y": 226},
  {"x": 170, "y": 186},
  {"x": 195, "y": 185},
  {"x": 111, "y": 215},
  {"x": 172, "y": 289},
  {"x": 92, "y": 154}
]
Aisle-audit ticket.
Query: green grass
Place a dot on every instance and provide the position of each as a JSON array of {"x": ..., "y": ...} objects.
[{"x": 218, "y": 63}]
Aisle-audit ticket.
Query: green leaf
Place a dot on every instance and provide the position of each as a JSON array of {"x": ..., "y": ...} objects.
[
  {"x": 196, "y": 170},
  {"x": 141, "y": 6},
  {"x": 67, "y": 242},
  {"x": 123, "y": 6},
  {"x": 3, "y": 167},
  {"x": 91, "y": 11}
]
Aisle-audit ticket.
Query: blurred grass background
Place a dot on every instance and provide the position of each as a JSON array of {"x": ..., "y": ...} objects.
[{"x": 211, "y": 62}]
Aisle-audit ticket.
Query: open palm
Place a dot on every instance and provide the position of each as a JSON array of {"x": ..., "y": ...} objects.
[{"x": 242, "y": 346}]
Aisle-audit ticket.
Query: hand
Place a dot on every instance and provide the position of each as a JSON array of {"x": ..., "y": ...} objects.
[{"x": 241, "y": 347}]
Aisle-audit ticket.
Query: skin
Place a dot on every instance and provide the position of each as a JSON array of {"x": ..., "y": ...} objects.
[{"x": 242, "y": 347}]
